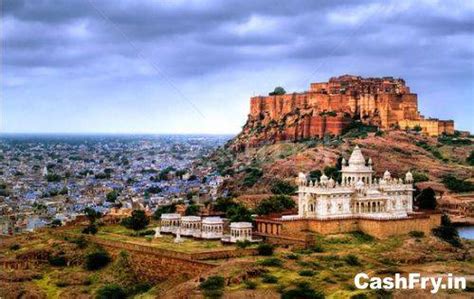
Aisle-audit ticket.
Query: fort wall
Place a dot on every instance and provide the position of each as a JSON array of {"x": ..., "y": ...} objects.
[{"x": 380, "y": 228}]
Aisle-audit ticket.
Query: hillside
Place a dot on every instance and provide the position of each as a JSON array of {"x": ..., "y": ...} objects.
[{"x": 253, "y": 171}]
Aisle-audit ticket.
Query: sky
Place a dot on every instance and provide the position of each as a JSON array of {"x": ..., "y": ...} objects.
[{"x": 184, "y": 66}]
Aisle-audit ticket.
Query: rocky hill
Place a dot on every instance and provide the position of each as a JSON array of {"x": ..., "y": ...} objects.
[{"x": 313, "y": 131}]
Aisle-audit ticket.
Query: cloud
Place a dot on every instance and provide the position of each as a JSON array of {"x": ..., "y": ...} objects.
[{"x": 48, "y": 41}]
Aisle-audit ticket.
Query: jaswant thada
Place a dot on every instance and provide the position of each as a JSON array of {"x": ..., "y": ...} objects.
[{"x": 380, "y": 207}]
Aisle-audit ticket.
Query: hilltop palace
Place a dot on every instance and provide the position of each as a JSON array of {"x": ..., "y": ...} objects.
[{"x": 360, "y": 202}]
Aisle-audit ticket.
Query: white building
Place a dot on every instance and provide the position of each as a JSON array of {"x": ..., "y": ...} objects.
[
  {"x": 358, "y": 194},
  {"x": 240, "y": 231},
  {"x": 191, "y": 226},
  {"x": 170, "y": 223},
  {"x": 212, "y": 228}
]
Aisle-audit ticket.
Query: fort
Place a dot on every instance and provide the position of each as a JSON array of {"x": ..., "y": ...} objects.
[{"x": 328, "y": 108}]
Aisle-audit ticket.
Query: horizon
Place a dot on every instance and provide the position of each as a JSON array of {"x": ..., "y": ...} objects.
[{"x": 98, "y": 67}]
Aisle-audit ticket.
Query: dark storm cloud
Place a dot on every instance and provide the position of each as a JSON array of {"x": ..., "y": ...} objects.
[{"x": 196, "y": 37}]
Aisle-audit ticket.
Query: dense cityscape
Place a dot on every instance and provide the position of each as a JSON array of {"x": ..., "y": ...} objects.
[{"x": 50, "y": 178}]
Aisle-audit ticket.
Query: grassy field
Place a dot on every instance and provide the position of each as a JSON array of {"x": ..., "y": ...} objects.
[{"x": 189, "y": 245}]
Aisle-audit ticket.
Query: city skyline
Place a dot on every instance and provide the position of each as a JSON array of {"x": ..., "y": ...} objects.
[{"x": 191, "y": 67}]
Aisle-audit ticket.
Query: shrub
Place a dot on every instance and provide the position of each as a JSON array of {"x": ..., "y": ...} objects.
[
  {"x": 243, "y": 244},
  {"x": 111, "y": 291},
  {"x": 14, "y": 247},
  {"x": 447, "y": 232},
  {"x": 56, "y": 223},
  {"x": 379, "y": 133},
  {"x": 277, "y": 91},
  {"x": 420, "y": 177},
  {"x": 137, "y": 221},
  {"x": 306, "y": 273},
  {"x": 360, "y": 296},
  {"x": 268, "y": 278},
  {"x": 213, "y": 286},
  {"x": 81, "y": 242},
  {"x": 96, "y": 260},
  {"x": 90, "y": 229},
  {"x": 283, "y": 187},
  {"x": 252, "y": 176},
  {"x": 416, "y": 234},
  {"x": 302, "y": 290},
  {"x": 250, "y": 284},
  {"x": 457, "y": 185},
  {"x": 271, "y": 262},
  {"x": 57, "y": 260},
  {"x": 352, "y": 260},
  {"x": 316, "y": 248},
  {"x": 292, "y": 256},
  {"x": 265, "y": 249},
  {"x": 362, "y": 237}
]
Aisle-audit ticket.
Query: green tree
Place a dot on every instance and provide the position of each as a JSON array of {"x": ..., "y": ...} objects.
[
  {"x": 192, "y": 210},
  {"x": 137, "y": 221},
  {"x": 275, "y": 204},
  {"x": 239, "y": 213},
  {"x": 427, "y": 199},
  {"x": 302, "y": 290},
  {"x": 112, "y": 196},
  {"x": 283, "y": 187},
  {"x": 315, "y": 174},
  {"x": 278, "y": 91},
  {"x": 92, "y": 215}
]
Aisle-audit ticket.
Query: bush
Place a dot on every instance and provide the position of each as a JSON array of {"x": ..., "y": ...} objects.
[
  {"x": 275, "y": 204},
  {"x": 265, "y": 249},
  {"x": 250, "y": 284},
  {"x": 57, "y": 260},
  {"x": 457, "y": 185},
  {"x": 416, "y": 234},
  {"x": 56, "y": 223},
  {"x": 306, "y": 273},
  {"x": 283, "y": 187},
  {"x": 213, "y": 286},
  {"x": 14, "y": 247},
  {"x": 352, "y": 260},
  {"x": 427, "y": 199},
  {"x": 137, "y": 221},
  {"x": 271, "y": 262},
  {"x": 302, "y": 290},
  {"x": 252, "y": 176},
  {"x": 379, "y": 133},
  {"x": 96, "y": 260},
  {"x": 292, "y": 256},
  {"x": 91, "y": 229},
  {"x": 268, "y": 278},
  {"x": 111, "y": 291},
  {"x": 243, "y": 244},
  {"x": 362, "y": 237},
  {"x": 447, "y": 232},
  {"x": 277, "y": 91},
  {"x": 420, "y": 177},
  {"x": 81, "y": 242}
]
